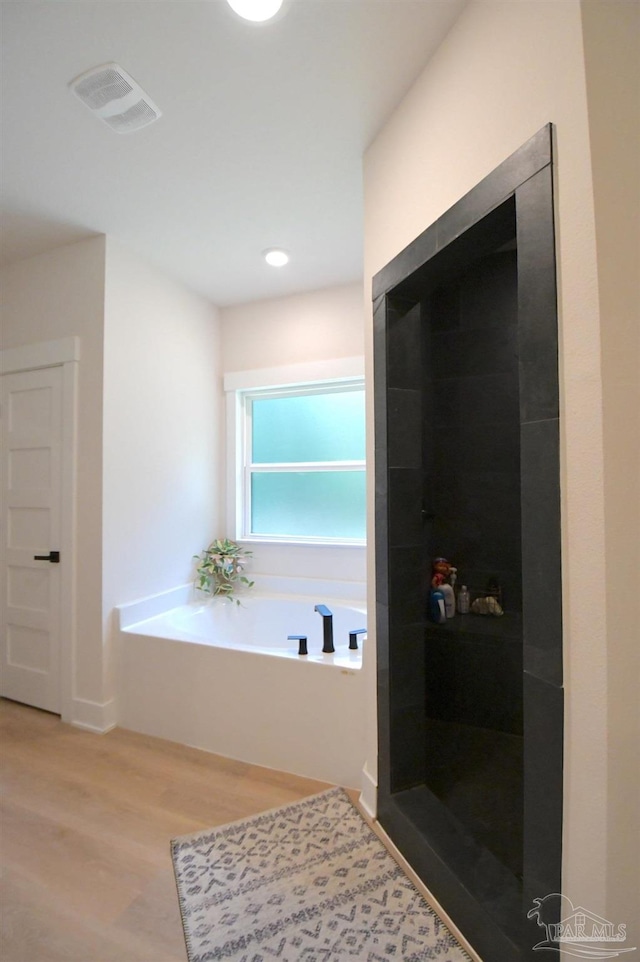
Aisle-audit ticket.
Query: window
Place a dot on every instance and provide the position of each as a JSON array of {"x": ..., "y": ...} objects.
[{"x": 303, "y": 463}]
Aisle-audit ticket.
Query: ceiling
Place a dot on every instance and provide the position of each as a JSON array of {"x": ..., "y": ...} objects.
[{"x": 259, "y": 145}]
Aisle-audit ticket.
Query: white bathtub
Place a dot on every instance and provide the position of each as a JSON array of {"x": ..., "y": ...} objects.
[
  {"x": 262, "y": 624},
  {"x": 225, "y": 678}
]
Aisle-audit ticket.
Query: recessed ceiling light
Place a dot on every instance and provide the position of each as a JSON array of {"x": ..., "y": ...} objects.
[
  {"x": 276, "y": 257},
  {"x": 257, "y": 10}
]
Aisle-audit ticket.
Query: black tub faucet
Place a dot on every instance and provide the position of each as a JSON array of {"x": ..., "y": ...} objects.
[
  {"x": 327, "y": 629},
  {"x": 353, "y": 638}
]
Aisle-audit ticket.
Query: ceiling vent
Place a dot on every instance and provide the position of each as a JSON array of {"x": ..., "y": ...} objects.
[{"x": 113, "y": 95}]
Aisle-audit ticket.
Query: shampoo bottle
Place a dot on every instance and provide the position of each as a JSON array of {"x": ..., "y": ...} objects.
[
  {"x": 437, "y": 608},
  {"x": 464, "y": 601},
  {"x": 449, "y": 599}
]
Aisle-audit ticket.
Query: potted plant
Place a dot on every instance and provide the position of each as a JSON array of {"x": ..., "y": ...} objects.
[{"x": 220, "y": 569}]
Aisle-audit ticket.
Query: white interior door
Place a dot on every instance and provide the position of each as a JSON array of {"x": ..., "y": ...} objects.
[{"x": 30, "y": 587}]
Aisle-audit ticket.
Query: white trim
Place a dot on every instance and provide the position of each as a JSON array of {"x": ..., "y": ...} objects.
[
  {"x": 342, "y": 368},
  {"x": 94, "y": 716},
  {"x": 30, "y": 357},
  {"x": 368, "y": 793},
  {"x": 316, "y": 542},
  {"x": 287, "y": 467},
  {"x": 240, "y": 454},
  {"x": 64, "y": 353},
  {"x": 234, "y": 463},
  {"x": 68, "y": 613}
]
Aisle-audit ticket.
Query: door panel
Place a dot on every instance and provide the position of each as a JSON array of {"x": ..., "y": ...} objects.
[{"x": 31, "y": 503}]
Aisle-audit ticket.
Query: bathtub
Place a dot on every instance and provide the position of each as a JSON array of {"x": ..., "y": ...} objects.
[
  {"x": 261, "y": 624},
  {"x": 226, "y": 679}
]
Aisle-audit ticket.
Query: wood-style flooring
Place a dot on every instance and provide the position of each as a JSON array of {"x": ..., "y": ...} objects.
[{"x": 86, "y": 825}]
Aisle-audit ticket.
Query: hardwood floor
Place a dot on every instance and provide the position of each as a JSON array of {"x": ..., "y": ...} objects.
[{"x": 86, "y": 824}]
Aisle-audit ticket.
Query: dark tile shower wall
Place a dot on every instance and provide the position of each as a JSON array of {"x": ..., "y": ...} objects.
[
  {"x": 486, "y": 369},
  {"x": 406, "y": 555},
  {"x": 473, "y": 665},
  {"x": 472, "y": 327}
]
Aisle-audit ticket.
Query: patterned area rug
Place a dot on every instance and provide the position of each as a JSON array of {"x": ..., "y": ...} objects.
[{"x": 310, "y": 882}]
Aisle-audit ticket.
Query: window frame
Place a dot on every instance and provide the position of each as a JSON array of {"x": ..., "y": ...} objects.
[{"x": 298, "y": 380}]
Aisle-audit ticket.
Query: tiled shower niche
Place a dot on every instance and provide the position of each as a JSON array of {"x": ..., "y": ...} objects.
[{"x": 470, "y": 712}]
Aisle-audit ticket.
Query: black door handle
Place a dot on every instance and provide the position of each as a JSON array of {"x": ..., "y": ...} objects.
[{"x": 53, "y": 557}]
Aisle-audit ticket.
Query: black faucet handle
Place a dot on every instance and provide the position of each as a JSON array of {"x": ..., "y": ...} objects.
[
  {"x": 302, "y": 643},
  {"x": 353, "y": 637}
]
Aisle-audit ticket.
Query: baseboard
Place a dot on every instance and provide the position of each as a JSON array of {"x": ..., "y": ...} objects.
[
  {"x": 93, "y": 716},
  {"x": 368, "y": 793}
]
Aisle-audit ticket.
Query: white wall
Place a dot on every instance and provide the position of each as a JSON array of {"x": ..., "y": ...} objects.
[
  {"x": 162, "y": 431},
  {"x": 611, "y": 36},
  {"x": 317, "y": 326},
  {"x": 149, "y": 444},
  {"x": 505, "y": 70},
  {"x": 61, "y": 294}
]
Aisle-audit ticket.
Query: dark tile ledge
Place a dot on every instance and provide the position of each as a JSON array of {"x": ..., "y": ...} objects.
[{"x": 508, "y": 625}]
